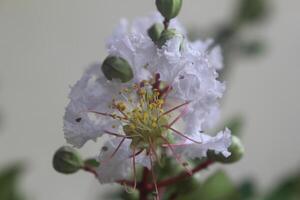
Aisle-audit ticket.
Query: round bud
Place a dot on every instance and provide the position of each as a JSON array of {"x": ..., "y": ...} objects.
[
  {"x": 66, "y": 160},
  {"x": 155, "y": 31},
  {"x": 253, "y": 10},
  {"x": 236, "y": 149},
  {"x": 169, "y": 8},
  {"x": 117, "y": 68},
  {"x": 165, "y": 36}
]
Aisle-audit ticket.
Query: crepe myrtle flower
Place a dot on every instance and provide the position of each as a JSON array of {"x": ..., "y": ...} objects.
[{"x": 148, "y": 99}]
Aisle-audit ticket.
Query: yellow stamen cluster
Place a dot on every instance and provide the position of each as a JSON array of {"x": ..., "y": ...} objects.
[{"x": 143, "y": 114}]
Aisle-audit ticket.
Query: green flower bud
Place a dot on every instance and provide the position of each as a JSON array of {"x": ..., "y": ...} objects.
[
  {"x": 169, "y": 8},
  {"x": 236, "y": 149},
  {"x": 165, "y": 36},
  {"x": 155, "y": 31},
  {"x": 66, "y": 160},
  {"x": 117, "y": 68}
]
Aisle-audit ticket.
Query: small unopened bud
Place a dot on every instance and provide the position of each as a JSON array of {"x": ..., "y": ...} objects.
[
  {"x": 66, "y": 160},
  {"x": 155, "y": 31},
  {"x": 117, "y": 68},
  {"x": 169, "y": 8},
  {"x": 165, "y": 36},
  {"x": 236, "y": 149},
  {"x": 253, "y": 10}
]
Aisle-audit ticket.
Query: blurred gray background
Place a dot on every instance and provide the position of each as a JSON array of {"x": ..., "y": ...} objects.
[{"x": 46, "y": 44}]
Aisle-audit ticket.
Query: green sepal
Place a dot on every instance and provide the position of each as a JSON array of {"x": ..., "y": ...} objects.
[
  {"x": 91, "y": 163},
  {"x": 155, "y": 31},
  {"x": 166, "y": 35}
]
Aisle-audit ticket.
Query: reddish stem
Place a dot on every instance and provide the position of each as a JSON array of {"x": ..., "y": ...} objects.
[
  {"x": 143, "y": 185},
  {"x": 90, "y": 170},
  {"x": 166, "y": 23},
  {"x": 184, "y": 175},
  {"x": 145, "y": 188}
]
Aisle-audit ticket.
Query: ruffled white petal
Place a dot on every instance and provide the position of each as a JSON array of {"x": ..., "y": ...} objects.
[
  {"x": 116, "y": 168},
  {"x": 219, "y": 144},
  {"x": 91, "y": 93},
  {"x": 120, "y": 166}
]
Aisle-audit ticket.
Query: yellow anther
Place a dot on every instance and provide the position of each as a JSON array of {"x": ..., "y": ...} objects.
[
  {"x": 135, "y": 86},
  {"x": 145, "y": 82},
  {"x": 160, "y": 102},
  {"x": 154, "y": 125},
  {"x": 126, "y": 90},
  {"x": 121, "y": 106},
  {"x": 156, "y": 93},
  {"x": 132, "y": 126},
  {"x": 151, "y": 106},
  {"x": 146, "y": 115},
  {"x": 142, "y": 92}
]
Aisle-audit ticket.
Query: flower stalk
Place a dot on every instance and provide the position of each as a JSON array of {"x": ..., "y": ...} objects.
[{"x": 145, "y": 188}]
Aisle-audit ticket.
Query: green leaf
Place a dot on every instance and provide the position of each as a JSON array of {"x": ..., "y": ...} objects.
[
  {"x": 9, "y": 178},
  {"x": 247, "y": 190},
  {"x": 289, "y": 189},
  {"x": 217, "y": 187}
]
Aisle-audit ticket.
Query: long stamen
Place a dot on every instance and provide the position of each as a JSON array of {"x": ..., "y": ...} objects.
[
  {"x": 125, "y": 116},
  {"x": 137, "y": 153},
  {"x": 177, "y": 157},
  {"x": 175, "y": 145},
  {"x": 165, "y": 92},
  {"x": 109, "y": 115},
  {"x": 114, "y": 153},
  {"x": 178, "y": 117},
  {"x": 118, "y": 147},
  {"x": 182, "y": 135},
  {"x": 175, "y": 108},
  {"x": 153, "y": 150},
  {"x": 117, "y": 135},
  {"x": 134, "y": 168},
  {"x": 153, "y": 177}
]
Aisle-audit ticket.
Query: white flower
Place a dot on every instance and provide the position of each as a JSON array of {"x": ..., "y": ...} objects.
[{"x": 174, "y": 91}]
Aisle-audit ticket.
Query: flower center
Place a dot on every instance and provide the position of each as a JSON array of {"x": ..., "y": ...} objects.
[{"x": 143, "y": 113}]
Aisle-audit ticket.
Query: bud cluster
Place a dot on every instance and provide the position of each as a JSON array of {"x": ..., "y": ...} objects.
[
  {"x": 151, "y": 104},
  {"x": 118, "y": 68}
]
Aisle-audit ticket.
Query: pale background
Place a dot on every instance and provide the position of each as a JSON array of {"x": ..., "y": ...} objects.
[{"x": 46, "y": 44}]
